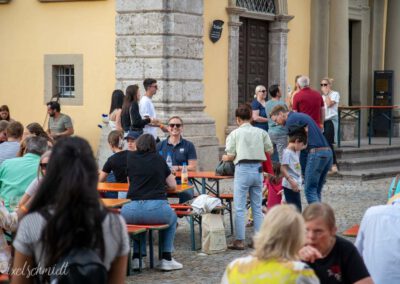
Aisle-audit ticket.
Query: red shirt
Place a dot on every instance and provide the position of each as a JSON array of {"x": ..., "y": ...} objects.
[
  {"x": 273, "y": 197},
  {"x": 310, "y": 102}
]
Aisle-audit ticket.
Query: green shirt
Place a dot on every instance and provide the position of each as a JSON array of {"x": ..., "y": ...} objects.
[
  {"x": 274, "y": 128},
  {"x": 16, "y": 175},
  {"x": 248, "y": 143},
  {"x": 60, "y": 125}
]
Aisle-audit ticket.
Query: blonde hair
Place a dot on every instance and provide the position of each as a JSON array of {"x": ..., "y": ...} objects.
[
  {"x": 258, "y": 88},
  {"x": 320, "y": 210},
  {"x": 282, "y": 234},
  {"x": 329, "y": 80}
]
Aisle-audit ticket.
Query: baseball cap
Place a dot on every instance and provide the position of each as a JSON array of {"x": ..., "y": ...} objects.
[{"x": 133, "y": 135}]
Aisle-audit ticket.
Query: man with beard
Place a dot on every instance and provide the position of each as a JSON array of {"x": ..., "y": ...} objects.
[{"x": 60, "y": 125}]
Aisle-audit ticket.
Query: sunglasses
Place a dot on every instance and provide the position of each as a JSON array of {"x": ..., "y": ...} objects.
[
  {"x": 155, "y": 86},
  {"x": 43, "y": 165},
  {"x": 263, "y": 91},
  {"x": 177, "y": 125},
  {"x": 324, "y": 85}
]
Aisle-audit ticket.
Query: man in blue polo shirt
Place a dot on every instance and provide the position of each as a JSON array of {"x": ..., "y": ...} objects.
[
  {"x": 180, "y": 150},
  {"x": 319, "y": 158}
]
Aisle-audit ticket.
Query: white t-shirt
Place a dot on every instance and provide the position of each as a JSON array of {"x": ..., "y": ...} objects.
[
  {"x": 333, "y": 110},
  {"x": 146, "y": 108},
  {"x": 292, "y": 160}
]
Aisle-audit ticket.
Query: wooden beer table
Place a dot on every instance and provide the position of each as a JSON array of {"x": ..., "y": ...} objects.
[
  {"x": 207, "y": 181},
  {"x": 123, "y": 187},
  {"x": 114, "y": 202}
]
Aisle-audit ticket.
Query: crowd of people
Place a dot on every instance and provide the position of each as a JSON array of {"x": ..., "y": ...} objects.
[{"x": 279, "y": 150}]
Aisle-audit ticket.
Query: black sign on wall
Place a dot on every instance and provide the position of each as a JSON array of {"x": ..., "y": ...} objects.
[{"x": 216, "y": 30}]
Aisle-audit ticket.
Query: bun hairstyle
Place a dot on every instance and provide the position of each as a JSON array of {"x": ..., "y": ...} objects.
[{"x": 116, "y": 139}]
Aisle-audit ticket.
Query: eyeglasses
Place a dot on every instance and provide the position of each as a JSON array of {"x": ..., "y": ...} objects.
[
  {"x": 263, "y": 91},
  {"x": 324, "y": 85},
  {"x": 43, "y": 165},
  {"x": 177, "y": 125}
]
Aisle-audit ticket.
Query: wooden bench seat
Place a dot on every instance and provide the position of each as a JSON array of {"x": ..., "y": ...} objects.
[{"x": 352, "y": 231}]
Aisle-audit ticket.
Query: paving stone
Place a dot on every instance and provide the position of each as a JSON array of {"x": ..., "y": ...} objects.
[{"x": 349, "y": 198}]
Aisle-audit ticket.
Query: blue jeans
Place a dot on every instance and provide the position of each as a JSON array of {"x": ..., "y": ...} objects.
[
  {"x": 318, "y": 165},
  {"x": 111, "y": 178},
  {"x": 292, "y": 197},
  {"x": 152, "y": 212},
  {"x": 186, "y": 195},
  {"x": 248, "y": 179},
  {"x": 303, "y": 161}
]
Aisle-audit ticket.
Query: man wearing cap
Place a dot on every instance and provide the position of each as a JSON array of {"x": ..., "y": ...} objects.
[
  {"x": 378, "y": 241},
  {"x": 180, "y": 150},
  {"x": 319, "y": 157},
  {"x": 59, "y": 125}
]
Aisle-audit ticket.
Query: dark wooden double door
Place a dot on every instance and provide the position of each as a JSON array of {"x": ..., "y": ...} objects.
[{"x": 253, "y": 57}]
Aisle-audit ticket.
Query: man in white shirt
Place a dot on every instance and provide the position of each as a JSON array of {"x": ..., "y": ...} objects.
[
  {"x": 146, "y": 107},
  {"x": 378, "y": 241}
]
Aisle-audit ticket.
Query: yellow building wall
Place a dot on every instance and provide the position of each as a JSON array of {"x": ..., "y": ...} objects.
[
  {"x": 31, "y": 29},
  {"x": 298, "y": 39},
  {"x": 216, "y": 67}
]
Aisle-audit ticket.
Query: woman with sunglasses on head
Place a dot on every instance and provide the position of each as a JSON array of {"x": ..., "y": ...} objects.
[
  {"x": 260, "y": 118},
  {"x": 331, "y": 102},
  {"x": 130, "y": 115},
  {"x": 67, "y": 216}
]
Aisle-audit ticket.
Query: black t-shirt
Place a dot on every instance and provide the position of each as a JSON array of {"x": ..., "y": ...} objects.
[
  {"x": 147, "y": 173},
  {"x": 133, "y": 119},
  {"x": 117, "y": 164},
  {"x": 342, "y": 265}
]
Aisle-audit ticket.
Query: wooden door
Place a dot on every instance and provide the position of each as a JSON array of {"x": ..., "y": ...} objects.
[{"x": 253, "y": 57}]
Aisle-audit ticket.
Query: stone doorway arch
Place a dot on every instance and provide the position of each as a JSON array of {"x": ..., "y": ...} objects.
[{"x": 277, "y": 52}]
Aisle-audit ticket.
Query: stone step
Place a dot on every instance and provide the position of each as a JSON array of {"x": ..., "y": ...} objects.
[
  {"x": 367, "y": 150},
  {"x": 367, "y": 174},
  {"x": 369, "y": 161}
]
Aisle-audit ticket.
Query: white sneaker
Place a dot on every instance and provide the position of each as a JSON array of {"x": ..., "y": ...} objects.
[
  {"x": 168, "y": 265},
  {"x": 135, "y": 264}
]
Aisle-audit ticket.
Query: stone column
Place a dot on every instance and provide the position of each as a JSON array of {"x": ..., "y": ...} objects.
[
  {"x": 338, "y": 56},
  {"x": 233, "y": 63},
  {"x": 392, "y": 58},
  {"x": 319, "y": 42},
  {"x": 164, "y": 40},
  {"x": 277, "y": 52}
]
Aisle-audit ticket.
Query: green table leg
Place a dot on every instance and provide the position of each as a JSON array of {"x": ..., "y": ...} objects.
[{"x": 359, "y": 128}]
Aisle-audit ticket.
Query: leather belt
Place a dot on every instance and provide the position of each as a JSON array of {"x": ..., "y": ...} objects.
[{"x": 313, "y": 150}]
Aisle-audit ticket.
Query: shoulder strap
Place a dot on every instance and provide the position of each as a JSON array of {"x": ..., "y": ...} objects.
[{"x": 393, "y": 189}]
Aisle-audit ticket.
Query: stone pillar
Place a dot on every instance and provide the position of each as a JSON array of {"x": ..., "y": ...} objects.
[
  {"x": 233, "y": 63},
  {"x": 392, "y": 58},
  {"x": 319, "y": 42},
  {"x": 277, "y": 53},
  {"x": 338, "y": 56},
  {"x": 164, "y": 40}
]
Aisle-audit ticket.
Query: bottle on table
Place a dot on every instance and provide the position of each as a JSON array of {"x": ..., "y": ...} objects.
[
  {"x": 184, "y": 175},
  {"x": 169, "y": 160}
]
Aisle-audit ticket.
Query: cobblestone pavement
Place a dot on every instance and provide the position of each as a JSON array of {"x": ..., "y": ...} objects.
[{"x": 349, "y": 198}]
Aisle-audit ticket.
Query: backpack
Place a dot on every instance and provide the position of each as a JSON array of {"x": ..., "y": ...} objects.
[
  {"x": 79, "y": 265},
  {"x": 394, "y": 187}
]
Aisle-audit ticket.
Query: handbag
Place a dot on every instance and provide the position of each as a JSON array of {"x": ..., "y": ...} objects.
[{"x": 225, "y": 168}]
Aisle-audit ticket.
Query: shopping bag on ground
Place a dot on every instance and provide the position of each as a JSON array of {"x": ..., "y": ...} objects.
[{"x": 213, "y": 235}]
